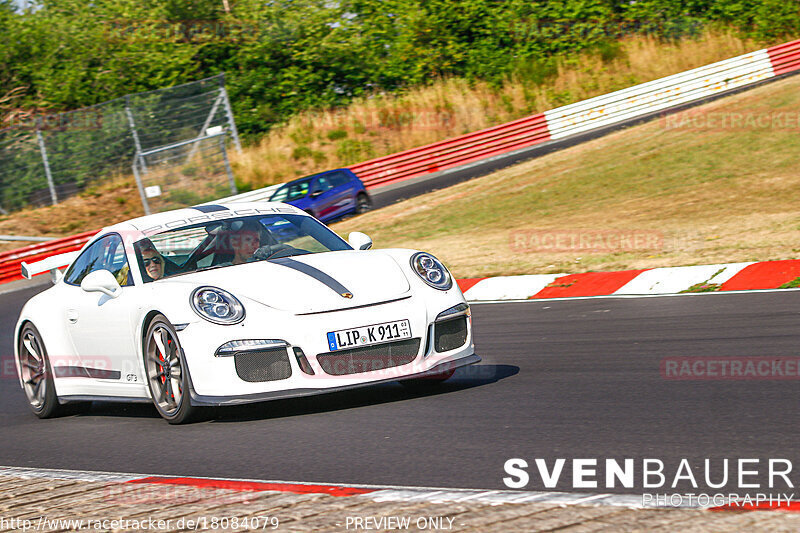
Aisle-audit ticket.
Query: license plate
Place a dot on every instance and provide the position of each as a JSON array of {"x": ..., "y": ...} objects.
[{"x": 367, "y": 335}]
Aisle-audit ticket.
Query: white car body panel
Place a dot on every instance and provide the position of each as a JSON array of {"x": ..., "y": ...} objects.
[{"x": 290, "y": 299}]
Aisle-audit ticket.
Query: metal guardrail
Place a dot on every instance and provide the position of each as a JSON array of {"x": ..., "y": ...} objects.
[
  {"x": 259, "y": 195},
  {"x": 785, "y": 57},
  {"x": 454, "y": 152},
  {"x": 10, "y": 261},
  {"x": 24, "y": 238},
  {"x": 639, "y": 100}
]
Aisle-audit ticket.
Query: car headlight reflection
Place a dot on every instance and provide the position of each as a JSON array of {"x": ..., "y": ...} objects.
[
  {"x": 431, "y": 271},
  {"x": 217, "y": 306}
]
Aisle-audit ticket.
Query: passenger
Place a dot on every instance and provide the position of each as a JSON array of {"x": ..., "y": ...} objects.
[{"x": 152, "y": 260}]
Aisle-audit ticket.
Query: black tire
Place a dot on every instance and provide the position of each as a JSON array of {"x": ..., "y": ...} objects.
[
  {"x": 170, "y": 393},
  {"x": 428, "y": 382},
  {"x": 363, "y": 203},
  {"x": 37, "y": 374}
]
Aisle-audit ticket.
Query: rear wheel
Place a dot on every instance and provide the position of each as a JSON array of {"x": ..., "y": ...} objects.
[
  {"x": 363, "y": 203},
  {"x": 167, "y": 378},
  {"x": 37, "y": 375}
]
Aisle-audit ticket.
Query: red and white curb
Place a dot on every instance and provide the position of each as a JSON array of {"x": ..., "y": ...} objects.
[
  {"x": 378, "y": 493},
  {"x": 375, "y": 493},
  {"x": 723, "y": 277}
]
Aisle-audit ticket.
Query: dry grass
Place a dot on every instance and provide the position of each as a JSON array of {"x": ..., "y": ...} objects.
[
  {"x": 716, "y": 194},
  {"x": 384, "y": 124},
  {"x": 95, "y": 208}
]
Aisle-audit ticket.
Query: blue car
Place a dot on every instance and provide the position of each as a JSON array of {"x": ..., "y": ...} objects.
[{"x": 326, "y": 196}]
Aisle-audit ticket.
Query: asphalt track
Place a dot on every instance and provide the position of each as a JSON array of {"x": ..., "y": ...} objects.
[{"x": 560, "y": 379}]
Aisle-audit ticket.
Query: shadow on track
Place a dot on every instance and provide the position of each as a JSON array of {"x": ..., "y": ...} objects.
[{"x": 464, "y": 378}]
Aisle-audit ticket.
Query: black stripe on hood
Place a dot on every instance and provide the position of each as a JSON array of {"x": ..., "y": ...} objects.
[{"x": 315, "y": 273}]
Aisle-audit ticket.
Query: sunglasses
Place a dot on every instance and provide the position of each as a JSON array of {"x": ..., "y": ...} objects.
[{"x": 156, "y": 260}]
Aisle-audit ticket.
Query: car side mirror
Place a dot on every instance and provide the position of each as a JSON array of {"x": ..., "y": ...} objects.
[
  {"x": 316, "y": 193},
  {"x": 359, "y": 241},
  {"x": 101, "y": 281}
]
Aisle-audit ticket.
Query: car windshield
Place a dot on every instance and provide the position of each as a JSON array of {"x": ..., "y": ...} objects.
[
  {"x": 231, "y": 242},
  {"x": 291, "y": 191}
]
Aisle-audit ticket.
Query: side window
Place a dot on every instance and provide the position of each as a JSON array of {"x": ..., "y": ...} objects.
[
  {"x": 118, "y": 262},
  {"x": 107, "y": 253},
  {"x": 338, "y": 179},
  {"x": 298, "y": 190},
  {"x": 322, "y": 184}
]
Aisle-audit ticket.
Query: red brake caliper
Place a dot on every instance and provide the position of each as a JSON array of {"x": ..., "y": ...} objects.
[
  {"x": 161, "y": 358},
  {"x": 172, "y": 393}
]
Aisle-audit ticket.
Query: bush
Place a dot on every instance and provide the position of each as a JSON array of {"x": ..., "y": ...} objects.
[
  {"x": 351, "y": 151},
  {"x": 335, "y": 135}
]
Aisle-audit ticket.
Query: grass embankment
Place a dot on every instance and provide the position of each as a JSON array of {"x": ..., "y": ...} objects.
[
  {"x": 715, "y": 192},
  {"x": 715, "y": 195},
  {"x": 385, "y": 124}
]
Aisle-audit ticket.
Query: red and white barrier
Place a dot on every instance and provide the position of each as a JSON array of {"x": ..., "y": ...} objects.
[
  {"x": 455, "y": 152},
  {"x": 633, "y": 102},
  {"x": 10, "y": 261},
  {"x": 659, "y": 95},
  {"x": 670, "y": 280}
]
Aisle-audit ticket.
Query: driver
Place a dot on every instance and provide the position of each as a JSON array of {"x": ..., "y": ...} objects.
[{"x": 244, "y": 244}]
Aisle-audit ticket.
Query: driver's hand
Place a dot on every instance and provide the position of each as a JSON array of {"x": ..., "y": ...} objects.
[{"x": 263, "y": 252}]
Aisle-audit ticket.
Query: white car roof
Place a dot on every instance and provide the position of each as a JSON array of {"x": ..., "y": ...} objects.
[{"x": 150, "y": 224}]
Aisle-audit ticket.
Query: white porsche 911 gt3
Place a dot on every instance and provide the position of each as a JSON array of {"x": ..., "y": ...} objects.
[{"x": 235, "y": 303}]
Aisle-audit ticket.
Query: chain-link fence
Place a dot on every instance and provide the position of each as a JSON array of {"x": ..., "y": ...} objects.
[
  {"x": 184, "y": 173},
  {"x": 46, "y": 159}
]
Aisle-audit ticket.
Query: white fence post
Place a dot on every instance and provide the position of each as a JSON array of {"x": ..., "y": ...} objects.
[{"x": 47, "y": 172}]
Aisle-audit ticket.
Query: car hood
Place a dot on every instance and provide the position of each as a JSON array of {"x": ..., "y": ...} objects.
[{"x": 312, "y": 283}]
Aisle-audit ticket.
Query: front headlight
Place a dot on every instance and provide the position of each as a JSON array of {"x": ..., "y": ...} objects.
[
  {"x": 431, "y": 271},
  {"x": 217, "y": 306}
]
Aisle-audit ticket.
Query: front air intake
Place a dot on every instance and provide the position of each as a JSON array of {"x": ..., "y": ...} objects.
[
  {"x": 369, "y": 358},
  {"x": 450, "y": 334},
  {"x": 263, "y": 365}
]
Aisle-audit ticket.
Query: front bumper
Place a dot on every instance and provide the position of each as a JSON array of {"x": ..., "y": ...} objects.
[
  {"x": 445, "y": 366},
  {"x": 216, "y": 380}
]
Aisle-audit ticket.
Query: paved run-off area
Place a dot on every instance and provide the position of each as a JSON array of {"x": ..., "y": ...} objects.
[{"x": 39, "y": 504}]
